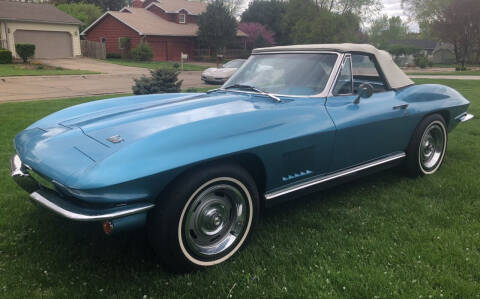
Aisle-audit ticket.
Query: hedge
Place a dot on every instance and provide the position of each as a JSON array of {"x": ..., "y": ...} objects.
[
  {"x": 25, "y": 51},
  {"x": 143, "y": 52},
  {"x": 5, "y": 56}
]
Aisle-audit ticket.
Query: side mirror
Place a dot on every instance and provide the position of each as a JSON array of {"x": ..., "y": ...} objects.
[{"x": 365, "y": 91}]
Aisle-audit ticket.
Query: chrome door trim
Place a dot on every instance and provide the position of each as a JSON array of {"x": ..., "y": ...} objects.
[
  {"x": 337, "y": 75},
  {"x": 332, "y": 176}
]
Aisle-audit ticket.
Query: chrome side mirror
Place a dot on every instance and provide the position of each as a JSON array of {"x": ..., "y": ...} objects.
[{"x": 365, "y": 91}]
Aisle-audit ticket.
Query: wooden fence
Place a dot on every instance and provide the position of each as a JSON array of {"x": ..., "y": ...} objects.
[{"x": 93, "y": 49}]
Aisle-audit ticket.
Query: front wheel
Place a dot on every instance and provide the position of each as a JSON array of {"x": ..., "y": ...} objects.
[
  {"x": 205, "y": 218},
  {"x": 427, "y": 148}
]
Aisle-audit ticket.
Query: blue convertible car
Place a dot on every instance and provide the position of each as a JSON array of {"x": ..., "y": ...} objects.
[{"x": 197, "y": 168}]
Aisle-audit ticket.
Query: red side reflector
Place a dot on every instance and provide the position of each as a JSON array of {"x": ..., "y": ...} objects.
[{"x": 107, "y": 227}]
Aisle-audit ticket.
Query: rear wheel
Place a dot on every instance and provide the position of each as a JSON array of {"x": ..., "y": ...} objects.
[
  {"x": 426, "y": 150},
  {"x": 205, "y": 218}
]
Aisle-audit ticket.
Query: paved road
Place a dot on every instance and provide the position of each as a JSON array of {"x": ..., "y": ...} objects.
[{"x": 114, "y": 79}]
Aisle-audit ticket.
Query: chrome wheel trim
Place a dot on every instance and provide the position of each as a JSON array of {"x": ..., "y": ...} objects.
[
  {"x": 432, "y": 147},
  {"x": 201, "y": 213},
  {"x": 215, "y": 219}
]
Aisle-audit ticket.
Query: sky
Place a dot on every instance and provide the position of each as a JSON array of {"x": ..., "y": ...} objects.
[{"x": 393, "y": 8}]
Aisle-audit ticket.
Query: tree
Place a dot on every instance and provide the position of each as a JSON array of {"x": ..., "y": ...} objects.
[
  {"x": 384, "y": 30},
  {"x": 217, "y": 27},
  {"x": 425, "y": 12},
  {"x": 257, "y": 34},
  {"x": 269, "y": 13},
  {"x": 235, "y": 6},
  {"x": 103, "y": 4},
  {"x": 399, "y": 50},
  {"x": 161, "y": 81},
  {"x": 459, "y": 24},
  {"x": 87, "y": 13},
  {"x": 364, "y": 9},
  {"x": 307, "y": 23}
]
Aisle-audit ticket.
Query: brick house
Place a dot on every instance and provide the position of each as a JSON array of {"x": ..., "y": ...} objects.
[{"x": 168, "y": 26}]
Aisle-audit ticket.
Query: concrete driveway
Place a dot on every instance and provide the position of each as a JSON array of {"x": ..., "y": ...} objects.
[{"x": 114, "y": 79}]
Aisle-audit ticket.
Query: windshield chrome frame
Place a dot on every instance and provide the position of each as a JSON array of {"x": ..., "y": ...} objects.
[{"x": 325, "y": 91}]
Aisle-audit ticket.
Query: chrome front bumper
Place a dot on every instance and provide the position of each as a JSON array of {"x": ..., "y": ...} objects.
[
  {"x": 214, "y": 79},
  {"x": 64, "y": 207}
]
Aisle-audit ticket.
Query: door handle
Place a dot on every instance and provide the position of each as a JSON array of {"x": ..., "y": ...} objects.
[{"x": 403, "y": 107}]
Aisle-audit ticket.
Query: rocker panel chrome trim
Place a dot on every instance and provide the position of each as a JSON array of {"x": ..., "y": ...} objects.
[{"x": 335, "y": 175}]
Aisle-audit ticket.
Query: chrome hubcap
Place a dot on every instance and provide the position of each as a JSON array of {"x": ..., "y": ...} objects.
[
  {"x": 432, "y": 147},
  {"x": 215, "y": 220}
]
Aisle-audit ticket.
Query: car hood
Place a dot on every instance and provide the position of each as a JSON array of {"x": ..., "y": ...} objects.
[
  {"x": 220, "y": 72},
  {"x": 119, "y": 126},
  {"x": 73, "y": 140}
]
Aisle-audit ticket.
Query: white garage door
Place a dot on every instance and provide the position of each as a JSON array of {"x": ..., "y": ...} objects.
[{"x": 48, "y": 44}]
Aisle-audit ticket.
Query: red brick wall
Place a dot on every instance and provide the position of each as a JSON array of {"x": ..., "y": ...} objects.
[
  {"x": 159, "y": 12},
  {"x": 165, "y": 48},
  {"x": 169, "y": 48},
  {"x": 112, "y": 29},
  {"x": 148, "y": 2},
  {"x": 191, "y": 19},
  {"x": 172, "y": 17}
]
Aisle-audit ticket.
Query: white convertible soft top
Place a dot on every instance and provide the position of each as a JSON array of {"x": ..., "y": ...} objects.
[{"x": 393, "y": 74}]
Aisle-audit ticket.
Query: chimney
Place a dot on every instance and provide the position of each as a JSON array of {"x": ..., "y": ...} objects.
[{"x": 137, "y": 3}]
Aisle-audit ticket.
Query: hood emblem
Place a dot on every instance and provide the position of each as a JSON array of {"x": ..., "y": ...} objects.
[{"x": 115, "y": 139}]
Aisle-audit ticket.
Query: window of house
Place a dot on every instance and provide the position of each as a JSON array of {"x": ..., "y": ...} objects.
[
  {"x": 181, "y": 18},
  {"x": 125, "y": 43},
  {"x": 365, "y": 71},
  {"x": 344, "y": 83}
]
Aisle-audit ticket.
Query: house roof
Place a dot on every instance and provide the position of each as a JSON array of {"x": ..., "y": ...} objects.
[
  {"x": 36, "y": 13},
  {"x": 396, "y": 78},
  {"x": 424, "y": 44},
  {"x": 174, "y": 6},
  {"x": 145, "y": 22}
]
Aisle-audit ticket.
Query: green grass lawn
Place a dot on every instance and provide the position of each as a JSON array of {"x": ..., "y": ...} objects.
[
  {"x": 156, "y": 64},
  {"x": 7, "y": 70},
  {"x": 454, "y": 73},
  {"x": 382, "y": 236},
  {"x": 447, "y": 65}
]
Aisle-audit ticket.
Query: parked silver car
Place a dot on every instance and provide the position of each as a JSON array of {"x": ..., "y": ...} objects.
[{"x": 221, "y": 75}]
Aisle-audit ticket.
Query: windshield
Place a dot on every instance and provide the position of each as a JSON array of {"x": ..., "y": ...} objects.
[
  {"x": 286, "y": 74},
  {"x": 234, "y": 63}
]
